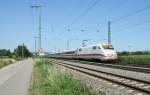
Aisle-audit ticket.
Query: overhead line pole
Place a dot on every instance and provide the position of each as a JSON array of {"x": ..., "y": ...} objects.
[
  {"x": 40, "y": 24},
  {"x": 40, "y": 40},
  {"x": 109, "y": 32},
  {"x": 68, "y": 45},
  {"x": 36, "y": 45},
  {"x": 23, "y": 50}
]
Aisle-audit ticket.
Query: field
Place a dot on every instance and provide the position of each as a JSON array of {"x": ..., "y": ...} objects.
[
  {"x": 5, "y": 62},
  {"x": 141, "y": 59},
  {"x": 49, "y": 80}
]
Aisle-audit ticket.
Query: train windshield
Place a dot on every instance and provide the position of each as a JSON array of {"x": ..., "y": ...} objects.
[{"x": 107, "y": 46}]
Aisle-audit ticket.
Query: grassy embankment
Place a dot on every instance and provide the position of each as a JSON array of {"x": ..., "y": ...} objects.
[
  {"x": 142, "y": 59},
  {"x": 49, "y": 80},
  {"x": 5, "y": 62}
]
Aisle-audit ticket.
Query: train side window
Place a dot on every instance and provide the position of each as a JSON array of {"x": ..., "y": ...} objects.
[
  {"x": 99, "y": 47},
  {"x": 94, "y": 47},
  {"x": 80, "y": 49}
]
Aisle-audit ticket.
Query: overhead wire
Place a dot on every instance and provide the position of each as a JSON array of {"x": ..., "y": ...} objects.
[
  {"x": 86, "y": 11},
  {"x": 135, "y": 25},
  {"x": 138, "y": 24},
  {"x": 131, "y": 14}
]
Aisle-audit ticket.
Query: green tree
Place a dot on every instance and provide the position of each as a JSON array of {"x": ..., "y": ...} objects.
[
  {"x": 22, "y": 51},
  {"x": 6, "y": 53}
]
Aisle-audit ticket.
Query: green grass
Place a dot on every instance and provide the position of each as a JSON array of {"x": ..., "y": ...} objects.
[
  {"x": 49, "y": 80},
  {"x": 5, "y": 63},
  {"x": 142, "y": 59}
]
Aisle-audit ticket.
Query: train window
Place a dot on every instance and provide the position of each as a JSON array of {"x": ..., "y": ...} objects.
[
  {"x": 99, "y": 47},
  {"x": 80, "y": 49},
  {"x": 107, "y": 46},
  {"x": 94, "y": 47}
]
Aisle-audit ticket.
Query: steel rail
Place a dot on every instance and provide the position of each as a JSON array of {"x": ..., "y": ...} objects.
[
  {"x": 94, "y": 75},
  {"x": 124, "y": 67}
]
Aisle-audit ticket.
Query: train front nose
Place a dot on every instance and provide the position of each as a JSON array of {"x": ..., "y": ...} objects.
[{"x": 110, "y": 55}]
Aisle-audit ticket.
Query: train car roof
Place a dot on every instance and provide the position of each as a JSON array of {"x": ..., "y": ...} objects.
[
  {"x": 67, "y": 50},
  {"x": 64, "y": 51},
  {"x": 95, "y": 45}
]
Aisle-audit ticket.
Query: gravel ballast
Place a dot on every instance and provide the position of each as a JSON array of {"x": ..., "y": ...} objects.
[
  {"x": 130, "y": 74},
  {"x": 100, "y": 85}
]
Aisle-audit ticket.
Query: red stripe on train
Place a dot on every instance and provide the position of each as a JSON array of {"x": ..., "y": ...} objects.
[{"x": 90, "y": 54}]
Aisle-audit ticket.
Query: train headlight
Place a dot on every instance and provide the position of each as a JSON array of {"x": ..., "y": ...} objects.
[{"x": 109, "y": 54}]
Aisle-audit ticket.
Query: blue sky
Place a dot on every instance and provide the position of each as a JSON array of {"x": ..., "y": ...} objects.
[{"x": 19, "y": 23}]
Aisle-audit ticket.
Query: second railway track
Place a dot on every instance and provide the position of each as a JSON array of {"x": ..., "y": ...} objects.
[
  {"x": 137, "y": 68},
  {"x": 136, "y": 84}
]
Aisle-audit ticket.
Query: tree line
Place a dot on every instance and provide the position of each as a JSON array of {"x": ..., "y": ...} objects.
[
  {"x": 20, "y": 51},
  {"x": 134, "y": 53}
]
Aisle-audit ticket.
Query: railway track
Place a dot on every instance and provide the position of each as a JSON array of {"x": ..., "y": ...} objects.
[
  {"x": 136, "y": 84},
  {"x": 137, "y": 68}
]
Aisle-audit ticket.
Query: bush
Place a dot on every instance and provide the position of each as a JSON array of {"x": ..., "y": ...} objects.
[
  {"x": 49, "y": 80},
  {"x": 142, "y": 59},
  {"x": 5, "y": 53},
  {"x": 5, "y": 63}
]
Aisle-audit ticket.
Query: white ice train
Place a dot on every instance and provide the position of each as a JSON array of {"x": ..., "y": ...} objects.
[{"x": 101, "y": 52}]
